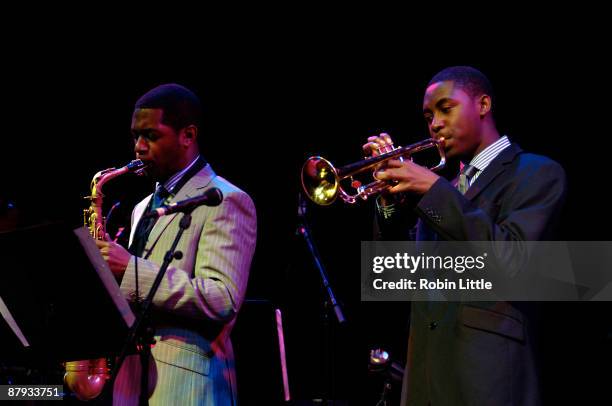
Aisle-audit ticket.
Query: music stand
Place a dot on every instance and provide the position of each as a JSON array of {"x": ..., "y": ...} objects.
[{"x": 61, "y": 294}]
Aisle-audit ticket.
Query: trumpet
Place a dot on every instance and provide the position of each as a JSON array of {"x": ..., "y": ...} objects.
[{"x": 321, "y": 181}]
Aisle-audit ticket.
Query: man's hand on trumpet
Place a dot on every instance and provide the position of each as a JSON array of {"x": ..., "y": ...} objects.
[
  {"x": 406, "y": 176},
  {"x": 378, "y": 145}
]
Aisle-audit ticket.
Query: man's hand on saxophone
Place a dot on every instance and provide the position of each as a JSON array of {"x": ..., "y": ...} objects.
[{"x": 115, "y": 255}]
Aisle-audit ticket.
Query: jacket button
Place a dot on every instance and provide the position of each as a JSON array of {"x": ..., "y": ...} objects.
[{"x": 433, "y": 325}]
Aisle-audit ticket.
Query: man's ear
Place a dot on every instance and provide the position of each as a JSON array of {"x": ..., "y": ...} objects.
[
  {"x": 484, "y": 105},
  {"x": 190, "y": 135}
]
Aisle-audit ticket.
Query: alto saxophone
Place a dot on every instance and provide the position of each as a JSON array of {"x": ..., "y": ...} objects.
[{"x": 86, "y": 378}]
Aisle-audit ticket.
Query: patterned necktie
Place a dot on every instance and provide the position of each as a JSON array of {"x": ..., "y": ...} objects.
[
  {"x": 159, "y": 197},
  {"x": 146, "y": 224},
  {"x": 464, "y": 178}
]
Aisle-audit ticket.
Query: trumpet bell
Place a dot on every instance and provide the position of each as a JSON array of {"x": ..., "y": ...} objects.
[{"x": 320, "y": 181}]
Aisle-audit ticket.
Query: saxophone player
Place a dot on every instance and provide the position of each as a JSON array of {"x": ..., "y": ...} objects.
[{"x": 198, "y": 300}]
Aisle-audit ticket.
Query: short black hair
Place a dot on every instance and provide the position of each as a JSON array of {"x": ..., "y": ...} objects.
[
  {"x": 470, "y": 79},
  {"x": 181, "y": 107}
]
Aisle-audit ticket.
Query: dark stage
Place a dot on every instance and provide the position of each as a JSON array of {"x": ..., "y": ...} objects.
[{"x": 267, "y": 108}]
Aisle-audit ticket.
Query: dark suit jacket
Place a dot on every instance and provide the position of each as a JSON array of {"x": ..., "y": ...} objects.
[{"x": 479, "y": 353}]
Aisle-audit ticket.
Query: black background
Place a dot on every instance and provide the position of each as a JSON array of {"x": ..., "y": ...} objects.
[{"x": 275, "y": 94}]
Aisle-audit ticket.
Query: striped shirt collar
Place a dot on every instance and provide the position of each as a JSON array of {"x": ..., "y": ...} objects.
[
  {"x": 174, "y": 179},
  {"x": 484, "y": 158}
]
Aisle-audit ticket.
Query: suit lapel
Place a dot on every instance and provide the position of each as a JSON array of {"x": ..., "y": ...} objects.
[
  {"x": 191, "y": 189},
  {"x": 496, "y": 167}
]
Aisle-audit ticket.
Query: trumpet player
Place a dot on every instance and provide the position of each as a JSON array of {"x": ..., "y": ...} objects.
[
  {"x": 202, "y": 291},
  {"x": 477, "y": 353}
]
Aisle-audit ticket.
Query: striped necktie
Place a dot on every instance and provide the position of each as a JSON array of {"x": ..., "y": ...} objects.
[{"x": 464, "y": 178}]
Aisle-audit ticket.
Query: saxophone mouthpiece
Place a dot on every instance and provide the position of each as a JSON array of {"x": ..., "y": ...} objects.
[{"x": 137, "y": 167}]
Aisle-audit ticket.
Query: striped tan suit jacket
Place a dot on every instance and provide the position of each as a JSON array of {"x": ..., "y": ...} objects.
[{"x": 197, "y": 302}]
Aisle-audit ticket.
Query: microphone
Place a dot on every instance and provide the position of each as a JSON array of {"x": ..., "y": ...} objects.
[{"x": 212, "y": 197}]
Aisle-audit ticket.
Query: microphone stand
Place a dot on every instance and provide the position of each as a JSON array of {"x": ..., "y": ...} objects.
[
  {"x": 141, "y": 333},
  {"x": 303, "y": 230}
]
